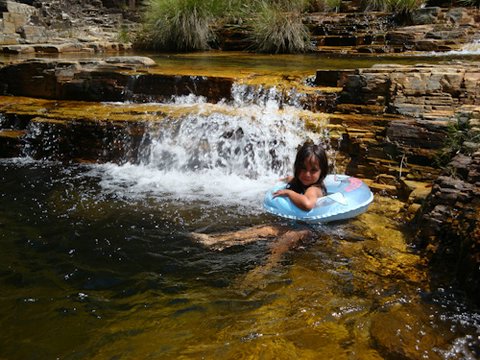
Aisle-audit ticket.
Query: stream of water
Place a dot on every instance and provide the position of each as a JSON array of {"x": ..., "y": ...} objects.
[{"x": 97, "y": 261}]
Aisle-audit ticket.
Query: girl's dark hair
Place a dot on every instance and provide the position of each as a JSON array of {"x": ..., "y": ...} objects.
[{"x": 306, "y": 151}]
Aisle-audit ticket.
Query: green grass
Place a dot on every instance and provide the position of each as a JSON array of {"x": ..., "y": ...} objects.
[
  {"x": 180, "y": 25},
  {"x": 458, "y": 133},
  {"x": 186, "y": 25},
  {"x": 395, "y": 6},
  {"x": 277, "y": 27}
]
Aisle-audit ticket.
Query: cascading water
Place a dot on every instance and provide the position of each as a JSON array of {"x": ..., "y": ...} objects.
[
  {"x": 227, "y": 153},
  {"x": 469, "y": 49}
]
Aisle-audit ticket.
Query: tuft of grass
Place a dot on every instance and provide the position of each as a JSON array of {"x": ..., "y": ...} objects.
[
  {"x": 277, "y": 27},
  {"x": 469, "y": 3},
  {"x": 180, "y": 25},
  {"x": 458, "y": 132},
  {"x": 123, "y": 34},
  {"x": 395, "y": 6}
]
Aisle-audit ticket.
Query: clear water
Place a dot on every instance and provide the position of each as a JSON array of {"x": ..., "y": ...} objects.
[{"x": 99, "y": 262}]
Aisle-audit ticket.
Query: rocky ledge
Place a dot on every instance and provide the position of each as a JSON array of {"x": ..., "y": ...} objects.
[
  {"x": 52, "y": 27},
  {"x": 449, "y": 223},
  {"x": 440, "y": 105},
  {"x": 354, "y": 31},
  {"x": 112, "y": 79}
]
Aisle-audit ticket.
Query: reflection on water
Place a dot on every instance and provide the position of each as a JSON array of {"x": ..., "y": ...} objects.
[
  {"x": 87, "y": 272},
  {"x": 238, "y": 64}
]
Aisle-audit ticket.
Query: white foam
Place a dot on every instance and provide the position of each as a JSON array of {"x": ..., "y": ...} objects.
[
  {"x": 212, "y": 186},
  {"x": 223, "y": 155},
  {"x": 472, "y": 48}
]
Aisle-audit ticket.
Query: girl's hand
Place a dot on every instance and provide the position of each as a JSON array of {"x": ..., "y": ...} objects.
[
  {"x": 305, "y": 201},
  {"x": 282, "y": 192}
]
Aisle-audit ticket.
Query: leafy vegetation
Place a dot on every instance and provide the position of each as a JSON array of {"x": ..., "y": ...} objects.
[{"x": 458, "y": 133}]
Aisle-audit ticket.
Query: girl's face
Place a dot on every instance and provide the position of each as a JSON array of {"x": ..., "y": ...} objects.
[{"x": 310, "y": 171}]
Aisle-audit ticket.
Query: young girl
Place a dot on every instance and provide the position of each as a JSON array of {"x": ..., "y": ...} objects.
[
  {"x": 310, "y": 169},
  {"x": 303, "y": 189}
]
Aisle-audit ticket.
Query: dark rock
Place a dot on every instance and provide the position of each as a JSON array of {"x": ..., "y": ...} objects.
[
  {"x": 104, "y": 81},
  {"x": 449, "y": 224},
  {"x": 427, "y": 15},
  {"x": 334, "y": 78}
]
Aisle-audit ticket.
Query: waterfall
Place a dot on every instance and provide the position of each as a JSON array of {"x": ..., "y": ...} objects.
[
  {"x": 225, "y": 152},
  {"x": 472, "y": 48}
]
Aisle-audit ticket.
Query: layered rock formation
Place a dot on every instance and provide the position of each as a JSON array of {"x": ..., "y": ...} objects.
[
  {"x": 110, "y": 25},
  {"x": 111, "y": 79},
  {"x": 60, "y": 27},
  {"x": 440, "y": 105},
  {"x": 449, "y": 221},
  {"x": 429, "y": 29}
]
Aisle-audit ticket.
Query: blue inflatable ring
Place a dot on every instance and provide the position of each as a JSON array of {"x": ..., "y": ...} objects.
[{"x": 346, "y": 197}]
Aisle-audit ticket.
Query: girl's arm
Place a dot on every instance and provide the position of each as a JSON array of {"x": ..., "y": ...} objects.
[{"x": 305, "y": 201}]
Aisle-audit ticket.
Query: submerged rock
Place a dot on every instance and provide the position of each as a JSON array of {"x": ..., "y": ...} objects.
[{"x": 395, "y": 331}]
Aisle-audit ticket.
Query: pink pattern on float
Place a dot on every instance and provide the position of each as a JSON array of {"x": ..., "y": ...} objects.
[{"x": 354, "y": 183}]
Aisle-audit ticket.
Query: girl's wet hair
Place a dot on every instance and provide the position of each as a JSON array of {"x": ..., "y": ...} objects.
[{"x": 306, "y": 151}]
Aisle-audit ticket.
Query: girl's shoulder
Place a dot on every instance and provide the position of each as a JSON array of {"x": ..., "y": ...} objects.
[{"x": 320, "y": 188}]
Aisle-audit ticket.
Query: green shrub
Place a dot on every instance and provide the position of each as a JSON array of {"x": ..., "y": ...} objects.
[
  {"x": 277, "y": 27},
  {"x": 458, "y": 132},
  {"x": 180, "y": 25}
]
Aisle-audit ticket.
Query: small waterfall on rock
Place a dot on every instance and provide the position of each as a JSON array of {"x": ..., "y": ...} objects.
[
  {"x": 227, "y": 152},
  {"x": 470, "y": 49}
]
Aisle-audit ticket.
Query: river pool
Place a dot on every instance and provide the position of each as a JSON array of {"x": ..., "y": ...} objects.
[{"x": 97, "y": 261}]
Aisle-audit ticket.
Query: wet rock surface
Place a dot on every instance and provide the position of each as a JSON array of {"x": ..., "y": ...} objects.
[
  {"x": 440, "y": 109},
  {"x": 112, "y": 79}
]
